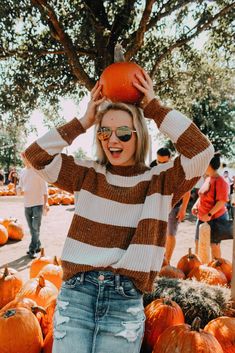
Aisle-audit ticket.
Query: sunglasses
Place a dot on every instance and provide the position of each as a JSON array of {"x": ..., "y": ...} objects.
[{"x": 123, "y": 133}]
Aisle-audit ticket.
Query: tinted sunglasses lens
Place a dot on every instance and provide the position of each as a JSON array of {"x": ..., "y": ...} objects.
[
  {"x": 104, "y": 134},
  {"x": 123, "y": 133}
]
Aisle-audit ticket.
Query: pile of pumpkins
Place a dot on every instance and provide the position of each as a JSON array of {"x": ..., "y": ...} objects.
[
  {"x": 59, "y": 197},
  {"x": 216, "y": 272},
  {"x": 165, "y": 328},
  {"x": 10, "y": 228},
  {"x": 29, "y": 307},
  {"x": 8, "y": 190}
]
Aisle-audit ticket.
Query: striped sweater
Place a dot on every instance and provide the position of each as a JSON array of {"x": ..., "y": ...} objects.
[{"x": 121, "y": 212}]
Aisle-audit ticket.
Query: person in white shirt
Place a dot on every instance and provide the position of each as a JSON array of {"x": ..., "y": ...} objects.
[{"x": 35, "y": 192}]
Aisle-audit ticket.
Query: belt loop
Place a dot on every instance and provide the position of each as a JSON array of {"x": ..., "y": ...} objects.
[
  {"x": 82, "y": 277},
  {"x": 117, "y": 281}
]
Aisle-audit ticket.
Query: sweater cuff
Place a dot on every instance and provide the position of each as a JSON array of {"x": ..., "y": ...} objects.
[
  {"x": 154, "y": 110},
  {"x": 71, "y": 130}
]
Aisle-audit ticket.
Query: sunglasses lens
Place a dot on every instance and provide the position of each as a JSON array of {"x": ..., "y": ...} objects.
[
  {"x": 124, "y": 133},
  {"x": 104, "y": 133}
]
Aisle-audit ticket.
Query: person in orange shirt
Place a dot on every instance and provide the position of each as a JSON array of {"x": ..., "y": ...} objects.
[{"x": 211, "y": 204}]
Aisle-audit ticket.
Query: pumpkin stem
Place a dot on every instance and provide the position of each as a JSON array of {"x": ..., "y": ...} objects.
[
  {"x": 6, "y": 272},
  {"x": 196, "y": 324},
  {"x": 42, "y": 252},
  {"x": 38, "y": 309},
  {"x": 167, "y": 301},
  {"x": 118, "y": 53},
  {"x": 9, "y": 313},
  {"x": 56, "y": 261},
  {"x": 41, "y": 282}
]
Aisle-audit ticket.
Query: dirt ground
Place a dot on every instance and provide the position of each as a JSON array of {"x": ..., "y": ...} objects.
[{"x": 54, "y": 229}]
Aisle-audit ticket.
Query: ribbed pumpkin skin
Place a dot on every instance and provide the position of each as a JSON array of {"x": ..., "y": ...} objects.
[
  {"x": 15, "y": 231},
  {"x": 160, "y": 314},
  {"x": 222, "y": 265},
  {"x": 208, "y": 275},
  {"x": 3, "y": 235},
  {"x": 181, "y": 339},
  {"x": 48, "y": 343},
  {"x": 20, "y": 332},
  {"x": 223, "y": 328},
  {"x": 188, "y": 262},
  {"x": 117, "y": 79},
  {"x": 10, "y": 284},
  {"x": 39, "y": 263},
  {"x": 40, "y": 290}
]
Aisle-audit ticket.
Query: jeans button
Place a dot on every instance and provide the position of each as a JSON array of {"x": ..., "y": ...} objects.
[{"x": 101, "y": 277}]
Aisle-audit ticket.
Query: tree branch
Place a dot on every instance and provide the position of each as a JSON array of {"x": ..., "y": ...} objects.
[
  {"x": 139, "y": 36},
  {"x": 201, "y": 26},
  {"x": 38, "y": 53},
  {"x": 98, "y": 14},
  {"x": 60, "y": 35}
]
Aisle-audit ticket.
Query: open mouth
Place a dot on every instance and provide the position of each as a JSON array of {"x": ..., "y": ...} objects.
[{"x": 116, "y": 152}]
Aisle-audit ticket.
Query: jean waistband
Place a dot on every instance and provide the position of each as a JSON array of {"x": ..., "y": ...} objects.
[{"x": 107, "y": 277}]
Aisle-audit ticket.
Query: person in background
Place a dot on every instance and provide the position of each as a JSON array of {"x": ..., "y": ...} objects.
[
  {"x": 34, "y": 190},
  {"x": 2, "y": 178},
  {"x": 177, "y": 213},
  {"x": 211, "y": 204},
  {"x": 115, "y": 244}
]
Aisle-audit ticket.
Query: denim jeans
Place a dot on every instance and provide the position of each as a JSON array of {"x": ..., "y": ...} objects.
[
  {"x": 198, "y": 222},
  {"x": 98, "y": 312},
  {"x": 34, "y": 216}
]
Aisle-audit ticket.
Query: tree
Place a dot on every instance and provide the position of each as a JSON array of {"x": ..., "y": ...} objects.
[
  {"x": 51, "y": 48},
  {"x": 80, "y": 154}
]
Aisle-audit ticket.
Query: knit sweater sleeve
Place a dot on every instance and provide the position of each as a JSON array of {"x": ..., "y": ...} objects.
[
  {"x": 46, "y": 157},
  {"x": 195, "y": 150}
]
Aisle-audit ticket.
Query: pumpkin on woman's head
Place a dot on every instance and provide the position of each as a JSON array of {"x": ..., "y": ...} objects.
[{"x": 117, "y": 82}]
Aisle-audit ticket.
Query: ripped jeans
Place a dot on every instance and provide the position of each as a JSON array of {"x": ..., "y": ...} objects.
[{"x": 98, "y": 312}]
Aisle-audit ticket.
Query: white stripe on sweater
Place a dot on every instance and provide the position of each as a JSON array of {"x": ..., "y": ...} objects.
[
  {"x": 52, "y": 142},
  {"x": 137, "y": 257},
  {"x": 51, "y": 171},
  {"x": 98, "y": 209},
  {"x": 197, "y": 165},
  {"x": 174, "y": 125}
]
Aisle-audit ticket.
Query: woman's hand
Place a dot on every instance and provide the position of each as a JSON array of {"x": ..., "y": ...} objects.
[
  {"x": 96, "y": 99},
  {"x": 205, "y": 218},
  {"x": 145, "y": 85}
]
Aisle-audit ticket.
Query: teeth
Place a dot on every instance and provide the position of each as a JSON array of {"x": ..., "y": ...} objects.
[{"x": 113, "y": 149}]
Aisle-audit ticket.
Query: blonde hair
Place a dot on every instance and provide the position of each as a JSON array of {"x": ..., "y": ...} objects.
[{"x": 139, "y": 123}]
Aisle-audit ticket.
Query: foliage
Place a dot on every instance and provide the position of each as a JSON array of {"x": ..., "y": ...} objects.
[
  {"x": 80, "y": 154},
  {"x": 12, "y": 139},
  {"x": 51, "y": 49}
]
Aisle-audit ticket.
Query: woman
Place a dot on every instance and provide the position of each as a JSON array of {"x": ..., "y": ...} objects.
[
  {"x": 211, "y": 204},
  {"x": 115, "y": 244}
]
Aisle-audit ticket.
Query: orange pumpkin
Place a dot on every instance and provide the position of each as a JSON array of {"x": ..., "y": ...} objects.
[
  {"x": 188, "y": 262},
  {"x": 185, "y": 338},
  {"x": 222, "y": 265},
  {"x": 26, "y": 303},
  {"x": 10, "y": 284},
  {"x": 171, "y": 272},
  {"x": 48, "y": 343},
  {"x": 39, "y": 263},
  {"x": 15, "y": 231},
  {"x": 3, "y": 235},
  {"x": 20, "y": 332},
  {"x": 39, "y": 290},
  {"x": 6, "y": 221},
  {"x": 47, "y": 319},
  {"x": 117, "y": 82},
  {"x": 160, "y": 314},
  {"x": 53, "y": 273},
  {"x": 209, "y": 275},
  {"x": 223, "y": 328}
]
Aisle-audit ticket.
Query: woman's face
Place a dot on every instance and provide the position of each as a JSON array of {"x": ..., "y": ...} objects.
[{"x": 118, "y": 152}]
